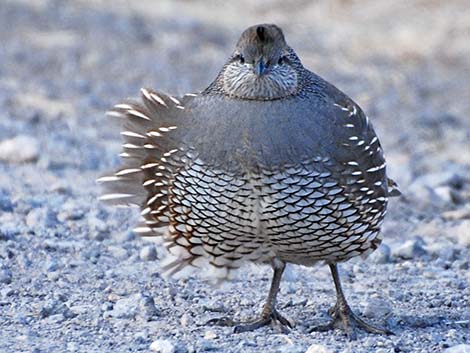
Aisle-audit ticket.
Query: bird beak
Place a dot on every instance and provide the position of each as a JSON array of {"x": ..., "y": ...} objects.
[{"x": 260, "y": 67}]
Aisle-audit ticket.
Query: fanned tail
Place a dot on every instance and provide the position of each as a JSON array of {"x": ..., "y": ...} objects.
[{"x": 146, "y": 170}]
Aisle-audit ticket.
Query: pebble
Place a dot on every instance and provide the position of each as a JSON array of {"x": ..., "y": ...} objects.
[
  {"x": 6, "y": 292},
  {"x": 19, "y": 149},
  {"x": 99, "y": 229},
  {"x": 52, "y": 266},
  {"x": 55, "y": 307},
  {"x": 463, "y": 213},
  {"x": 461, "y": 232},
  {"x": 210, "y": 335},
  {"x": 5, "y": 202},
  {"x": 377, "y": 308},
  {"x": 382, "y": 255},
  {"x": 148, "y": 253},
  {"x": 137, "y": 305},
  {"x": 5, "y": 276},
  {"x": 317, "y": 348},
  {"x": 206, "y": 345},
  {"x": 118, "y": 252},
  {"x": 290, "y": 348},
  {"x": 163, "y": 346},
  {"x": 460, "y": 348},
  {"x": 141, "y": 336},
  {"x": 41, "y": 217},
  {"x": 186, "y": 320},
  {"x": 122, "y": 237},
  {"x": 411, "y": 249},
  {"x": 435, "y": 188},
  {"x": 71, "y": 212},
  {"x": 8, "y": 231}
]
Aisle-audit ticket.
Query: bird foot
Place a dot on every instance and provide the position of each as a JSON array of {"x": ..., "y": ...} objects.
[
  {"x": 344, "y": 318},
  {"x": 272, "y": 318}
]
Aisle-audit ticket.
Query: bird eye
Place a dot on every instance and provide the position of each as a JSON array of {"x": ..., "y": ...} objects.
[
  {"x": 240, "y": 58},
  {"x": 280, "y": 61}
]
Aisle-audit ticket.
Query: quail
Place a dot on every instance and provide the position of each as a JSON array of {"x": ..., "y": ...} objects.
[{"x": 269, "y": 164}]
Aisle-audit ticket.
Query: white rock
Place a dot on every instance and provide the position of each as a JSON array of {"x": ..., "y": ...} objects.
[
  {"x": 317, "y": 348},
  {"x": 460, "y": 348},
  {"x": 163, "y": 346},
  {"x": 410, "y": 249},
  {"x": 463, "y": 213},
  {"x": 210, "y": 335},
  {"x": 461, "y": 232},
  {"x": 382, "y": 255},
  {"x": 148, "y": 253},
  {"x": 19, "y": 149},
  {"x": 136, "y": 305}
]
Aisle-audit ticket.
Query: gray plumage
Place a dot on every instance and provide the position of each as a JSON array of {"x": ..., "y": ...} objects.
[{"x": 270, "y": 164}]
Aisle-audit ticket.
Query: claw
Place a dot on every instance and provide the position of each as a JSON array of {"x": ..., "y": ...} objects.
[
  {"x": 344, "y": 318},
  {"x": 221, "y": 321},
  {"x": 274, "y": 319}
]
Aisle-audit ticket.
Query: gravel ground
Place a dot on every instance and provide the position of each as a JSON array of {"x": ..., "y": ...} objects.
[{"x": 74, "y": 278}]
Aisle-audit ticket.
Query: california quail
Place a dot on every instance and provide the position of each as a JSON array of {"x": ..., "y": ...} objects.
[{"x": 270, "y": 164}]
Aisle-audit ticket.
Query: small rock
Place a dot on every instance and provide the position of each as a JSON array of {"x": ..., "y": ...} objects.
[
  {"x": 443, "y": 194},
  {"x": 461, "y": 264},
  {"x": 411, "y": 249},
  {"x": 6, "y": 292},
  {"x": 454, "y": 215},
  {"x": 210, "y": 335},
  {"x": 52, "y": 266},
  {"x": 41, "y": 217},
  {"x": 290, "y": 348},
  {"x": 206, "y": 345},
  {"x": 99, "y": 229},
  {"x": 5, "y": 276},
  {"x": 461, "y": 232},
  {"x": 377, "y": 308},
  {"x": 5, "y": 202},
  {"x": 56, "y": 318},
  {"x": 122, "y": 237},
  {"x": 317, "y": 348},
  {"x": 19, "y": 149},
  {"x": 8, "y": 231},
  {"x": 148, "y": 253},
  {"x": 137, "y": 305},
  {"x": 163, "y": 346},
  {"x": 54, "y": 307},
  {"x": 460, "y": 348},
  {"x": 141, "y": 337},
  {"x": 107, "y": 306},
  {"x": 118, "y": 252},
  {"x": 185, "y": 320},
  {"x": 70, "y": 212},
  {"x": 436, "y": 188},
  {"x": 382, "y": 255}
]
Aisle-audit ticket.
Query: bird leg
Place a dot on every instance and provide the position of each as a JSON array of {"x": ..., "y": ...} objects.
[
  {"x": 342, "y": 315},
  {"x": 269, "y": 315}
]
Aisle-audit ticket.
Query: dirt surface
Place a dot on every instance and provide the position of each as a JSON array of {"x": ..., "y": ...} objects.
[{"x": 74, "y": 278}]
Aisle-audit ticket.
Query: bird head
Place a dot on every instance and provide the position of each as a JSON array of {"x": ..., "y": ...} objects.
[{"x": 262, "y": 67}]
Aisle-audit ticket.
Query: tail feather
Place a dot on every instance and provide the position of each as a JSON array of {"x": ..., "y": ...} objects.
[
  {"x": 143, "y": 178},
  {"x": 393, "y": 190}
]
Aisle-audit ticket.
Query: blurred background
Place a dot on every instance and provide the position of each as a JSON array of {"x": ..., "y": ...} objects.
[
  {"x": 405, "y": 62},
  {"x": 63, "y": 63}
]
